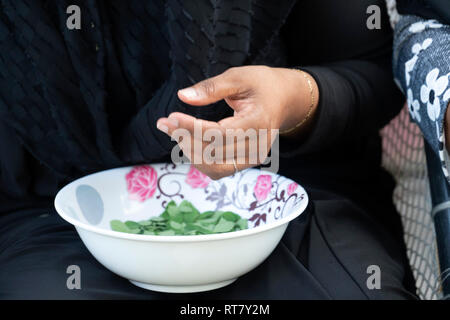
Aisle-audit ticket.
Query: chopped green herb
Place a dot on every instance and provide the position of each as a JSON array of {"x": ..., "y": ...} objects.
[{"x": 183, "y": 219}]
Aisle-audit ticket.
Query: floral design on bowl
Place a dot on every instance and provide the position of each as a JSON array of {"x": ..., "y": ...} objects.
[
  {"x": 197, "y": 179},
  {"x": 271, "y": 193},
  {"x": 291, "y": 188},
  {"x": 141, "y": 182}
]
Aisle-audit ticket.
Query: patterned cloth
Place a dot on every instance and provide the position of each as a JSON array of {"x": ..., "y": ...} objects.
[{"x": 422, "y": 70}]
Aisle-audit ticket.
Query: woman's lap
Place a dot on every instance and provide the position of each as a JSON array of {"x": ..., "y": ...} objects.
[{"x": 323, "y": 255}]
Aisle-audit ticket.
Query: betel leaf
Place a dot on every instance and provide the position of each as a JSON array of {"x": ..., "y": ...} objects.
[
  {"x": 206, "y": 214},
  {"x": 213, "y": 218},
  {"x": 186, "y": 207},
  {"x": 132, "y": 224},
  {"x": 135, "y": 231},
  {"x": 223, "y": 226},
  {"x": 190, "y": 217},
  {"x": 210, "y": 227},
  {"x": 242, "y": 224},
  {"x": 190, "y": 213},
  {"x": 175, "y": 214},
  {"x": 230, "y": 216},
  {"x": 167, "y": 233},
  {"x": 165, "y": 214},
  {"x": 183, "y": 219},
  {"x": 198, "y": 228},
  {"x": 176, "y": 226},
  {"x": 119, "y": 226},
  {"x": 158, "y": 219}
]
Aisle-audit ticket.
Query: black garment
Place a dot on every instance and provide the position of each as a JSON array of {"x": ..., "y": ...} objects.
[
  {"x": 323, "y": 255},
  {"x": 429, "y": 9},
  {"x": 62, "y": 116}
]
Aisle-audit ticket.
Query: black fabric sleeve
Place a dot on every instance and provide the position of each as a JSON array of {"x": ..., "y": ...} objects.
[
  {"x": 357, "y": 93},
  {"x": 141, "y": 139},
  {"x": 430, "y": 9}
]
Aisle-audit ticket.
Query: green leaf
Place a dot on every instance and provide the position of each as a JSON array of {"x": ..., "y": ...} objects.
[
  {"x": 167, "y": 233},
  {"x": 190, "y": 213},
  {"x": 185, "y": 206},
  {"x": 171, "y": 204},
  {"x": 132, "y": 224},
  {"x": 223, "y": 226},
  {"x": 214, "y": 218},
  {"x": 175, "y": 214},
  {"x": 175, "y": 225},
  {"x": 230, "y": 216},
  {"x": 190, "y": 217},
  {"x": 198, "y": 228},
  {"x": 135, "y": 231},
  {"x": 158, "y": 219},
  {"x": 184, "y": 219},
  {"x": 119, "y": 226},
  {"x": 173, "y": 211},
  {"x": 242, "y": 224},
  {"x": 206, "y": 214},
  {"x": 165, "y": 214}
]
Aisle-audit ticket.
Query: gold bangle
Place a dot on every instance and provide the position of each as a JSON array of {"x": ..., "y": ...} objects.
[{"x": 311, "y": 107}]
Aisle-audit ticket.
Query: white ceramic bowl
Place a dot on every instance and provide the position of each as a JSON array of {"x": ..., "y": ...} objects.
[{"x": 180, "y": 263}]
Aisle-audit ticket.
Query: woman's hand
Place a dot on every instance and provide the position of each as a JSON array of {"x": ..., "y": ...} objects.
[{"x": 261, "y": 97}]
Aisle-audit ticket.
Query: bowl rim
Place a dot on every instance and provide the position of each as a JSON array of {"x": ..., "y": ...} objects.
[{"x": 177, "y": 238}]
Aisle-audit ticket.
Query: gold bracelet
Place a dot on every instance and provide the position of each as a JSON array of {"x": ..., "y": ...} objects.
[{"x": 311, "y": 107}]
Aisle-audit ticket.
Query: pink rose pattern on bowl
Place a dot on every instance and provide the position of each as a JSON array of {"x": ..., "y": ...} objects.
[
  {"x": 262, "y": 187},
  {"x": 261, "y": 198},
  {"x": 291, "y": 188},
  {"x": 141, "y": 183},
  {"x": 197, "y": 179}
]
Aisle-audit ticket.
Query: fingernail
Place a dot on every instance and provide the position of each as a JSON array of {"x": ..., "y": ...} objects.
[
  {"x": 189, "y": 93},
  {"x": 173, "y": 121},
  {"x": 162, "y": 127}
]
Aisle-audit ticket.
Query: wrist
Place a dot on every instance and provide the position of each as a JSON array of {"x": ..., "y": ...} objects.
[{"x": 302, "y": 103}]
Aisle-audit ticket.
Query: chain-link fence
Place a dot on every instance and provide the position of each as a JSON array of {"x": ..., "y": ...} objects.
[{"x": 404, "y": 157}]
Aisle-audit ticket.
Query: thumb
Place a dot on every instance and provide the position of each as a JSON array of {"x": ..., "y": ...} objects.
[{"x": 210, "y": 90}]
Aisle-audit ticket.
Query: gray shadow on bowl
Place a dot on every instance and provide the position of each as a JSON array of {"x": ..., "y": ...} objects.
[
  {"x": 90, "y": 203},
  {"x": 71, "y": 213}
]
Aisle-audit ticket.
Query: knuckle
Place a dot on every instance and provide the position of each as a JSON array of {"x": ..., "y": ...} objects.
[
  {"x": 232, "y": 71},
  {"x": 208, "y": 86}
]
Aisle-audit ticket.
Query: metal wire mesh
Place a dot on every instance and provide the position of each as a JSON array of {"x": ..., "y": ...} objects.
[{"x": 404, "y": 157}]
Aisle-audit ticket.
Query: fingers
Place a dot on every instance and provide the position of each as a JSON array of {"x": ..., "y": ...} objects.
[
  {"x": 211, "y": 152},
  {"x": 219, "y": 171},
  {"x": 211, "y": 90},
  {"x": 233, "y": 133},
  {"x": 178, "y": 120}
]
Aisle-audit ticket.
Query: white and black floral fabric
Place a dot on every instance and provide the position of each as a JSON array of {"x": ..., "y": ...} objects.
[{"x": 422, "y": 70}]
